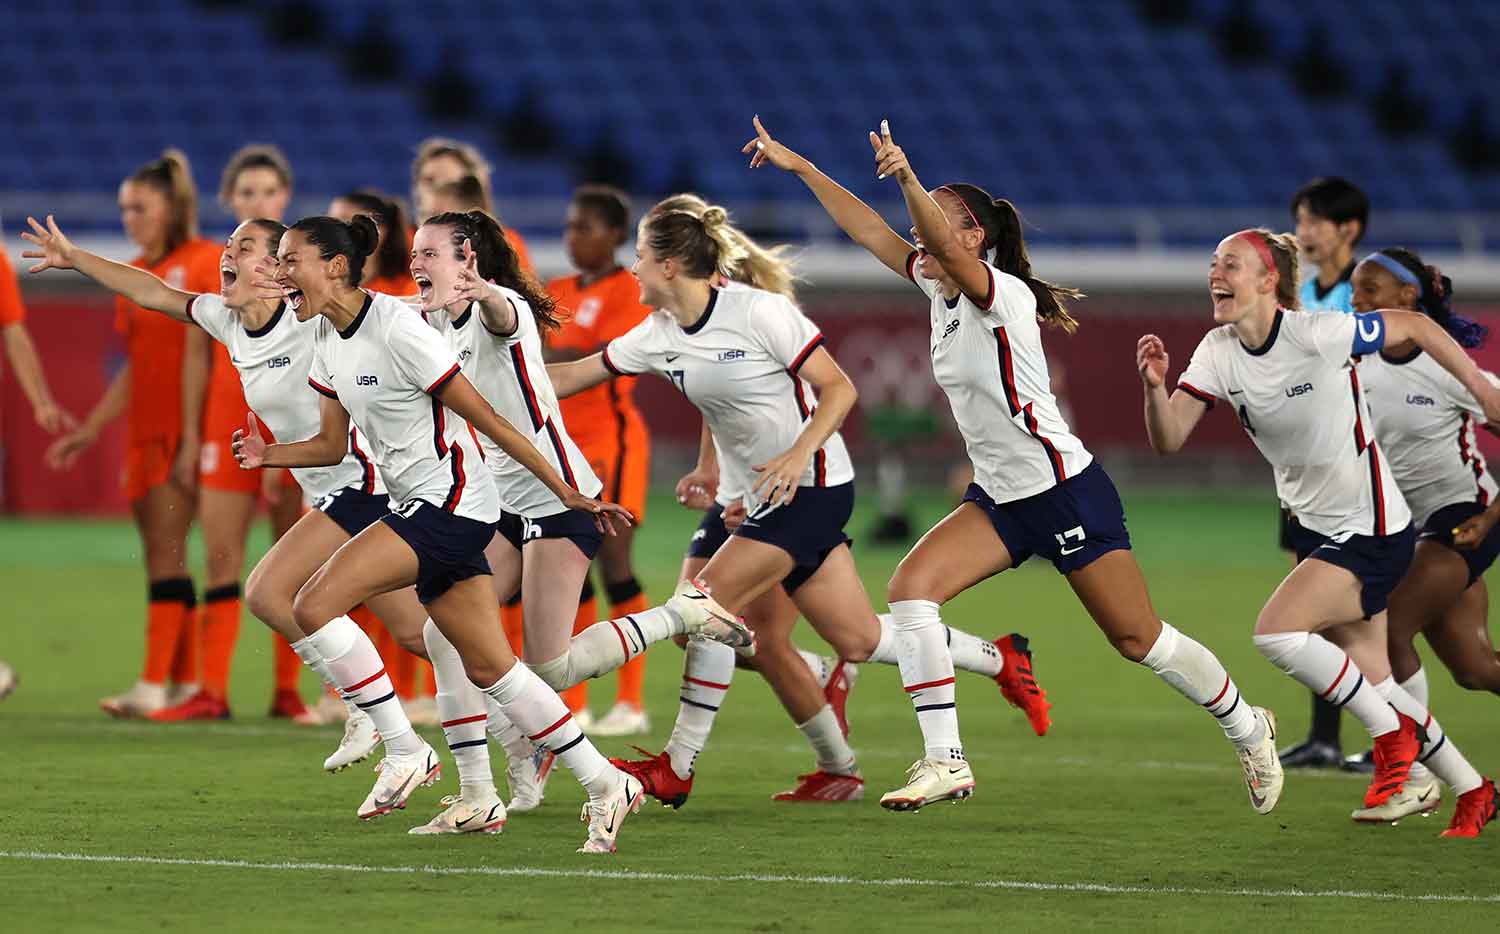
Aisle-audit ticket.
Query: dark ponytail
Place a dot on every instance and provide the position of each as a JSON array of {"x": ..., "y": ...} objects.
[
  {"x": 497, "y": 262},
  {"x": 1435, "y": 298},
  {"x": 392, "y": 258},
  {"x": 173, "y": 177},
  {"x": 1001, "y": 223},
  {"x": 354, "y": 241},
  {"x": 273, "y": 230}
]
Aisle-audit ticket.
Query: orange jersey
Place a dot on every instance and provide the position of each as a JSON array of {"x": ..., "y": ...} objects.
[
  {"x": 154, "y": 342},
  {"x": 518, "y": 243},
  {"x": 11, "y": 309},
  {"x": 594, "y": 315}
]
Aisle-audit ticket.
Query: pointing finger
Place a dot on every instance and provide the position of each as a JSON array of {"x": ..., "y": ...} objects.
[
  {"x": 760, "y": 129},
  {"x": 885, "y": 129}
]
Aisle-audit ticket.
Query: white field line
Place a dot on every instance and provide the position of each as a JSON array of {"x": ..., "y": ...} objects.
[{"x": 630, "y": 875}]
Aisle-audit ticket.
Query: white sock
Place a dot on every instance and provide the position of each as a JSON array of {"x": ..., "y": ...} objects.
[
  {"x": 971, "y": 653},
  {"x": 1323, "y": 667},
  {"x": 462, "y": 710},
  {"x": 313, "y": 659},
  {"x": 1439, "y": 755},
  {"x": 1416, "y": 686},
  {"x": 706, "y": 673},
  {"x": 886, "y": 651},
  {"x": 604, "y": 647},
  {"x": 512, "y": 739},
  {"x": 834, "y": 754},
  {"x": 820, "y": 666},
  {"x": 1193, "y": 670},
  {"x": 531, "y": 705},
  {"x": 927, "y": 675},
  {"x": 360, "y": 675}
]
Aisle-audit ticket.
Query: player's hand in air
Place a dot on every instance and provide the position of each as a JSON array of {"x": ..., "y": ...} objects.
[
  {"x": 1474, "y": 530},
  {"x": 606, "y": 515},
  {"x": 263, "y": 280},
  {"x": 470, "y": 286},
  {"x": 55, "y": 250},
  {"x": 763, "y": 149},
  {"x": 248, "y": 446},
  {"x": 697, "y": 488},
  {"x": 1151, "y": 360},
  {"x": 889, "y": 158}
]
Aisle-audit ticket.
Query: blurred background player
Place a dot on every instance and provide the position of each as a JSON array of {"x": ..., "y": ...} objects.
[
  {"x": 159, "y": 210},
  {"x": 441, "y": 161},
  {"x": 599, "y": 303},
  {"x": 256, "y": 183},
  {"x": 1331, "y": 216}
]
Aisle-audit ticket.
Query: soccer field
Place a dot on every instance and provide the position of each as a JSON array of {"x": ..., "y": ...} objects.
[{"x": 1130, "y": 814}]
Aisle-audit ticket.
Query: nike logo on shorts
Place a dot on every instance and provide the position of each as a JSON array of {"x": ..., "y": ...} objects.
[{"x": 1069, "y": 551}]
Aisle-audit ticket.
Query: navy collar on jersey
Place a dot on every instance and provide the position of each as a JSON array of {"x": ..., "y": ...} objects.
[
  {"x": 463, "y": 319},
  {"x": 1401, "y": 361},
  {"x": 270, "y": 325},
  {"x": 713, "y": 298},
  {"x": 1345, "y": 276},
  {"x": 359, "y": 318},
  {"x": 1270, "y": 339}
]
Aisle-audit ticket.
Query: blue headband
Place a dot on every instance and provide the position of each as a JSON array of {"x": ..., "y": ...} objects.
[{"x": 1395, "y": 268}]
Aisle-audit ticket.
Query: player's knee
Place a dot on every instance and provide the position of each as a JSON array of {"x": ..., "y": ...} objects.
[
  {"x": 309, "y": 610},
  {"x": 266, "y": 602},
  {"x": 555, "y": 672},
  {"x": 1480, "y": 677},
  {"x": 482, "y": 673},
  {"x": 412, "y": 642},
  {"x": 910, "y": 584},
  {"x": 1131, "y": 646}
]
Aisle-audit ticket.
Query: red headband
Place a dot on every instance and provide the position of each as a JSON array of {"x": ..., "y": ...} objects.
[
  {"x": 972, "y": 219},
  {"x": 1258, "y": 241}
]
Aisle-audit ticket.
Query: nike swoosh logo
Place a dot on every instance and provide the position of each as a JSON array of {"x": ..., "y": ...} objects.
[
  {"x": 1236, "y": 392},
  {"x": 610, "y": 827},
  {"x": 955, "y": 771},
  {"x": 1424, "y": 796},
  {"x": 672, "y": 357},
  {"x": 1069, "y": 551},
  {"x": 1256, "y": 799},
  {"x": 466, "y": 820},
  {"x": 388, "y": 802}
]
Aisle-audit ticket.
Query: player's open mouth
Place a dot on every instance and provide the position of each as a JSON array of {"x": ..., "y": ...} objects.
[
  {"x": 293, "y": 298},
  {"x": 424, "y": 285},
  {"x": 227, "y": 278},
  {"x": 1220, "y": 294}
]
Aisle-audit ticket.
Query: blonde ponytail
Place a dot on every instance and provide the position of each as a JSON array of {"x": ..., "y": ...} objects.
[
  {"x": 768, "y": 269},
  {"x": 173, "y": 177}
]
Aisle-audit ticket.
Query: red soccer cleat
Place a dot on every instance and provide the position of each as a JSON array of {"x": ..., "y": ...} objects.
[
  {"x": 1475, "y": 809},
  {"x": 201, "y": 706},
  {"x": 1019, "y": 685},
  {"x": 288, "y": 705},
  {"x": 1394, "y": 754},
  {"x": 824, "y": 787},
  {"x": 656, "y": 775},
  {"x": 836, "y": 692}
]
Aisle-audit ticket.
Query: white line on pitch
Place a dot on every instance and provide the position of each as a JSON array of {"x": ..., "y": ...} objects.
[{"x": 631, "y": 875}]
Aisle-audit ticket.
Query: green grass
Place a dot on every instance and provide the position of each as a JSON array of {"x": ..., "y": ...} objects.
[{"x": 1129, "y": 815}]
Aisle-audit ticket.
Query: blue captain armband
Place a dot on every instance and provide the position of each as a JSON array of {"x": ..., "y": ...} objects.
[{"x": 1369, "y": 333}]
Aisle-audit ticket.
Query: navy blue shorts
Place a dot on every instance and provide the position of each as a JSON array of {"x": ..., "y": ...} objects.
[
  {"x": 578, "y": 527},
  {"x": 1379, "y": 561},
  {"x": 354, "y": 510},
  {"x": 1440, "y": 526},
  {"x": 449, "y": 548},
  {"x": 1071, "y": 525},
  {"x": 711, "y": 534},
  {"x": 808, "y": 528}
]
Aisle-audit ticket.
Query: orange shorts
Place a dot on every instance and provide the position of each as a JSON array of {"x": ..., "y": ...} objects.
[
  {"x": 217, "y": 468},
  {"x": 148, "y": 463},
  {"x": 623, "y": 463}
]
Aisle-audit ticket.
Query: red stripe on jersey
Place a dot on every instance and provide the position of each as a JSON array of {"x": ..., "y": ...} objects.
[
  {"x": 1206, "y": 398},
  {"x": 565, "y": 718},
  {"x": 1007, "y": 374},
  {"x": 442, "y": 381},
  {"x": 1359, "y": 423},
  {"x": 820, "y": 459},
  {"x": 528, "y": 394},
  {"x": 439, "y": 428},
  {"x": 801, "y": 358},
  {"x": 477, "y": 446},
  {"x": 989, "y": 301},
  {"x": 911, "y": 265},
  {"x": 1013, "y": 399},
  {"x": 322, "y": 389},
  {"x": 456, "y": 491},
  {"x": 1378, "y": 489},
  {"x": 1472, "y": 458},
  {"x": 1363, "y": 443},
  {"x": 367, "y": 481},
  {"x": 562, "y": 454}
]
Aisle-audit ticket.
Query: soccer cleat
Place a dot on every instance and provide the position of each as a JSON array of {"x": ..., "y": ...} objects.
[
  {"x": 583, "y": 719},
  {"x": 1394, "y": 753},
  {"x": 141, "y": 700},
  {"x": 1359, "y": 762},
  {"x": 180, "y": 693},
  {"x": 928, "y": 781},
  {"x": 622, "y": 720},
  {"x": 360, "y": 739},
  {"x": 824, "y": 786},
  {"x": 1475, "y": 809},
  {"x": 1417, "y": 796},
  {"x": 422, "y": 711},
  {"x": 201, "y": 706},
  {"x": 702, "y": 616},
  {"x": 1018, "y": 684},
  {"x": 605, "y": 814},
  {"x": 836, "y": 691},
  {"x": 399, "y": 777},
  {"x": 1263, "y": 775},
  {"x": 461, "y": 816},
  {"x": 527, "y": 779},
  {"x": 1311, "y": 754},
  {"x": 288, "y": 705},
  {"x": 655, "y": 773},
  {"x": 8, "y": 680}
]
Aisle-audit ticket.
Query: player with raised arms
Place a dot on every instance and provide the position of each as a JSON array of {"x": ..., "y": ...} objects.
[
  {"x": 1037, "y": 490},
  {"x": 1424, "y": 423},
  {"x": 1290, "y": 380}
]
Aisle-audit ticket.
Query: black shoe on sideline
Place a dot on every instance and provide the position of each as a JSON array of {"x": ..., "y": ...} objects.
[
  {"x": 1312, "y": 754},
  {"x": 1361, "y": 762}
]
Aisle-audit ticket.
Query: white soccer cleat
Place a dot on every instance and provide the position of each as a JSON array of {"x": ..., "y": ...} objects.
[
  {"x": 360, "y": 740},
  {"x": 622, "y": 720},
  {"x": 527, "y": 780},
  {"x": 399, "y": 777},
  {"x": 179, "y": 694},
  {"x": 584, "y": 720},
  {"x": 462, "y": 816},
  {"x": 422, "y": 711},
  {"x": 8, "y": 680},
  {"x": 1263, "y": 776},
  {"x": 141, "y": 701},
  {"x": 702, "y": 616},
  {"x": 928, "y": 781},
  {"x": 605, "y": 815},
  {"x": 1418, "y": 796}
]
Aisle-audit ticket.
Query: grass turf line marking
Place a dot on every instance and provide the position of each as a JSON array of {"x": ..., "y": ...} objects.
[{"x": 631, "y": 875}]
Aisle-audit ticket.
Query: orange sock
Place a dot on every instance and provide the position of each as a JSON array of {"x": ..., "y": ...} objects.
[
  {"x": 189, "y": 646},
  {"x": 400, "y": 664},
  {"x": 366, "y": 619},
  {"x": 577, "y": 696},
  {"x": 632, "y": 675},
  {"x": 221, "y": 629},
  {"x": 286, "y": 665},
  {"x": 511, "y": 620},
  {"x": 170, "y": 603},
  {"x": 427, "y": 679}
]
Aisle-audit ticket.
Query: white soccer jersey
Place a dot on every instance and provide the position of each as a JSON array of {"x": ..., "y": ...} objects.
[
  {"x": 1298, "y": 397},
  {"x": 273, "y": 362},
  {"x": 989, "y": 361},
  {"x": 384, "y": 369},
  {"x": 1424, "y": 420},
  {"x": 510, "y": 373},
  {"x": 739, "y": 365}
]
